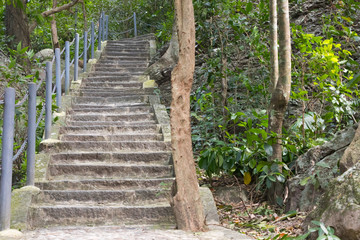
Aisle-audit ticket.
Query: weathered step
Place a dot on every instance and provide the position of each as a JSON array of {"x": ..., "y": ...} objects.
[
  {"x": 111, "y": 146},
  {"x": 111, "y": 138},
  {"x": 160, "y": 158},
  {"x": 126, "y": 58},
  {"x": 115, "y": 93},
  {"x": 109, "y": 123},
  {"x": 104, "y": 84},
  {"x": 112, "y": 117},
  {"x": 119, "y": 69},
  {"x": 107, "y": 171},
  {"x": 123, "y": 49},
  {"x": 110, "y": 197},
  {"x": 150, "y": 128},
  {"x": 128, "y": 63},
  {"x": 106, "y": 106},
  {"x": 108, "y": 110},
  {"x": 119, "y": 100},
  {"x": 126, "y": 54},
  {"x": 106, "y": 184},
  {"x": 62, "y": 215},
  {"x": 121, "y": 74},
  {"x": 122, "y": 65},
  {"x": 112, "y": 77}
]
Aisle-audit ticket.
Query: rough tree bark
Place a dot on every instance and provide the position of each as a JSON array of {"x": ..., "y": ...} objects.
[
  {"x": 54, "y": 34},
  {"x": 186, "y": 200},
  {"x": 274, "y": 61},
  {"x": 160, "y": 71},
  {"x": 17, "y": 24},
  {"x": 281, "y": 93}
]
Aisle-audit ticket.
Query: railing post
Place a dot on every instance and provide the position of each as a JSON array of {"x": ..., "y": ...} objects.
[
  {"x": 30, "y": 168},
  {"x": 135, "y": 27},
  {"x": 85, "y": 50},
  {"x": 92, "y": 39},
  {"x": 106, "y": 27},
  {"x": 58, "y": 77},
  {"x": 76, "y": 57},
  {"x": 67, "y": 67},
  {"x": 99, "y": 33},
  {"x": 6, "y": 156},
  {"x": 48, "y": 100},
  {"x": 103, "y": 26}
]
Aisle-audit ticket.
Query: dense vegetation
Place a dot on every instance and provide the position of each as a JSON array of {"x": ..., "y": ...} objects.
[{"x": 230, "y": 99}]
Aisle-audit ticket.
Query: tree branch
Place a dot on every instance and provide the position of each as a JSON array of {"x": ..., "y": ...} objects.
[{"x": 53, "y": 11}]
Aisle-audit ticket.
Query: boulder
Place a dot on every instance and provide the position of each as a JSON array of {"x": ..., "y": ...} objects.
[
  {"x": 315, "y": 170},
  {"x": 230, "y": 194},
  {"x": 45, "y": 54},
  {"x": 352, "y": 153},
  {"x": 340, "y": 206}
]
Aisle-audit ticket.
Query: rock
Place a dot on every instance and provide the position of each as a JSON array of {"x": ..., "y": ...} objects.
[
  {"x": 45, "y": 54},
  {"x": 317, "y": 167},
  {"x": 230, "y": 195},
  {"x": 340, "y": 206},
  {"x": 352, "y": 153}
]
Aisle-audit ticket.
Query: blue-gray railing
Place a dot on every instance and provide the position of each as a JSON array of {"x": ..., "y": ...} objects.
[{"x": 7, "y": 157}]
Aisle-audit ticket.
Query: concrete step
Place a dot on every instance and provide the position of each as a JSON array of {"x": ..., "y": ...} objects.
[
  {"x": 85, "y": 106},
  {"x": 98, "y": 146},
  {"x": 109, "y": 123},
  {"x": 103, "y": 84},
  {"x": 122, "y": 65},
  {"x": 113, "y": 138},
  {"x": 150, "y": 128},
  {"x": 159, "y": 158},
  {"x": 119, "y": 69},
  {"x": 108, "y": 110},
  {"x": 106, "y": 184},
  {"x": 111, "y": 76},
  {"x": 125, "y": 49},
  {"x": 107, "y": 171},
  {"x": 62, "y": 215},
  {"x": 144, "y": 54},
  {"x": 125, "y": 58},
  {"x": 115, "y": 93},
  {"x": 116, "y": 101},
  {"x": 112, "y": 117},
  {"x": 137, "y": 197},
  {"x": 125, "y": 63}
]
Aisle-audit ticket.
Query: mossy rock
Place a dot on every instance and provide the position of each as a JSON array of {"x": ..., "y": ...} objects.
[{"x": 340, "y": 205}]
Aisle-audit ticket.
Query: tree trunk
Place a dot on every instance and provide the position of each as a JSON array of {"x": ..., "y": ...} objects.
[
  {"x": 84, "y": 14},
  {"x": 274, "y": 59},
  {"x": 186, "y": 200},
  {"x": 54, "y": 34},
  {"x": 281, "y": 93},
  {"x": 17, "y": 24}
]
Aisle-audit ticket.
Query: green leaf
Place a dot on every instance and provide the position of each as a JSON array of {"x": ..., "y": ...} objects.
[
  {"x": 252, "y": 163},
  {"x": 272, "y": 178},
  {"x": 304, "y": 181},
  {"x": 268, "y": 149}
]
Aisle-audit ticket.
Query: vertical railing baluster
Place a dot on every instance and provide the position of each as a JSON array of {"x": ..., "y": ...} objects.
[
  {"x": 76, "y": 57},
  {"x": 6, "y": 156},
  {"x": 48, "y": 100},
  {"x": 67, "y": 67},
  {"x": 30, "y": 167},
  {"x": 85, "y": 50},
  {"x": 99, "y": 33},
  {"x": 92, "y": 39},
  {"x": 103, "y": 26},
  {"x": 106, "y": 27},
  {"x": 58, "y": 77},
  {"x": 135, "y": 26}
]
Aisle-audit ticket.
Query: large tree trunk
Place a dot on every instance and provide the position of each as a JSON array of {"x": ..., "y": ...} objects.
[
  {"x": 186, "y": 200},
  {"x": 160, "y": 71},
  {"x": 17, "y": 24},
  {"x": 274, "y": 61},
  {"x": 281, "y": 93}
]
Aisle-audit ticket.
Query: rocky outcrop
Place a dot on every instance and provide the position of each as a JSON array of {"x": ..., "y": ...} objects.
[
  {"x": 45, "y": 54},
  {"x": 340, "y": 206},
  {"x": 315, "y": 169},
  {"x": 352, "y": 154}
]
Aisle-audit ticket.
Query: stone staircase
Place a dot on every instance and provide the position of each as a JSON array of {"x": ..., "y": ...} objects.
[{"x": 111, "y": 165}]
